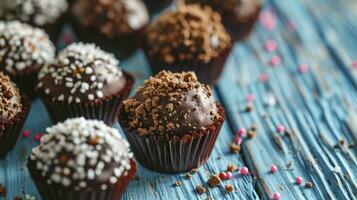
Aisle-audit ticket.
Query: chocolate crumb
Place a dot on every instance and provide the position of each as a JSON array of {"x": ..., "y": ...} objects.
[
  {"x": 249, "y": 107},
  {"x": 188, "y": 175},
  {"x": 352, "y": 145},
  {"x": 250, "y": 134},
  {"x": 232, "y": 168},
  {"x": 2, "y": 191},
  {"x": 17, "y": 198},
  {"x": 219, "y": 158},
  {"x": 200, "y": 189},
  {"x": 214, "y": 181},
  {"x": 234, "y": 148},
  {"x": 229, "y": 188},
  {"x": 341, "y": 142},
  {"x": 194, "y": 170},
  {"x": 290, "y": 163},
  {"x": 178, "y": 183},
  {"x": 308, "y": 184},
  {"x": 254, "y": 127}
]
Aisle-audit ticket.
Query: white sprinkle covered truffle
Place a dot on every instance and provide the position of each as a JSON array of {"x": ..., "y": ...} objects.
[
  {"x": 36, "y": 12},
  {"x": 81, "y": 73},
  {"x": 79, "y": 153},
  {"x": 23, "y": 48}
]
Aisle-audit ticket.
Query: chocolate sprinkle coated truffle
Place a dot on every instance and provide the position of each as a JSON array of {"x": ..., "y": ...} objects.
[
  {"x": 10, "y": 99},
  {"x": 23, "y": 48},
  {"x": 190, "y": 32},
  {"x": 36, "y": 12},
  {"x": 81, "y": 154},
  {"x": 171, "y": 104},
  {"x": 81, "y": 73},
  {"x": 112, "y": 17}
]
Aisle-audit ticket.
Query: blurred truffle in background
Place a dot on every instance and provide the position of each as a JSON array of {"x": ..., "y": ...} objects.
[
  {"x": 46, "y": 14},
  {"x": 114, "y": 25},
  {"x": 238, "y": 16}
]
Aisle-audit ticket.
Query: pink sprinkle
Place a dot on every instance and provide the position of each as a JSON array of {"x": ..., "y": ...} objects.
[
  {"x": 303, "y": 68},
  {"x": 280, "y": 128},
  {"x": 223, "y": 175},
  {"x": 229, "y": 175},
  {"x": 241, "y": 132},
  {"x": 276, "y": 196},
  {"x": 38, "y": 137},
  {"x": 354, "y": 64},
  {"x": 291, "y": 26},
  {"x": 270, "y": 45},
  {"x": 273, "y": 169},
  {"x": 263, "y": 77},
  {"x": 250, "y": 97},
  {"x": 67, "y": 38},
  {"x": 244, "y": 171},
  {"x": 238, "y": 140},
  {"x": 274, "y": 61},
  {"x": 268, "y": 19},
  {"x": 26, "y": 133},
  {"x": 299, "y": 180}
]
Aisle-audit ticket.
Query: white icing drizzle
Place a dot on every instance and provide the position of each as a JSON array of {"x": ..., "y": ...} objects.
[
  {"x": 40, "y": 12},
  {"x": 23, "y": 46},
  {"x": 87, "y": 160}
]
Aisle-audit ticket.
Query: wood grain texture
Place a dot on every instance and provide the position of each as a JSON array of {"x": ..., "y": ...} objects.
[{"x": 318, "y": 108}]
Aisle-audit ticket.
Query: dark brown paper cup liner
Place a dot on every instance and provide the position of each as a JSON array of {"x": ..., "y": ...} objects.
[
  {"x": 27, "y": 82},
  {"x": 10, "y": 131},
  {"x": 174, "y": 154},
  {"x": 58, "y": 192},
  {"x": 106, "y": 110},
  {"x": 207, "y": 73}
]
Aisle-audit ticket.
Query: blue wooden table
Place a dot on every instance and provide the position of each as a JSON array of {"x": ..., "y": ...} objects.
[{"x": 315, "y": 102}]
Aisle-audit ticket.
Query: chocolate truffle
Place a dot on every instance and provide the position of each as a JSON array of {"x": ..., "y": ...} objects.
[
  {"x": 157, "y": 5},
  {"x": 114, "y": 25},
  {"x": 189, "y": 38},
  {"x": 84, "y": 81},
  {"x": 238, "y": 16},
  {"x": 24, "y": 50},
  {"x": 46, "y": 14},
  {"x": 81, "y": 159},
  {"x": 13, "y": 112},
  {"x": 175, "y": 115}
]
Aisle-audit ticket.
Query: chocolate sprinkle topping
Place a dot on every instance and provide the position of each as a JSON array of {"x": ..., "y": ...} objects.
[
  {"x": 23, "y": 48},
  {"x": 36, "y": 12},
  {"x": 112, "y": 17},
  {"x": 68, "y": 158},
  {"x": 81, "y": 73},
  {"x": 171, "y": 104},
  {"x": 10, "y": 99},
  {"x": 190, "y": 32}
]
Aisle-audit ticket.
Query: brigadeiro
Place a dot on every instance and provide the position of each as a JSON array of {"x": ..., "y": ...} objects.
[
  {"x": 24, "y": 50},
  {"x": 238, "y": 16},
  {"x": 46, "y": 14},
  {"x": 157, "y": 5},
  {"x": 14, "y": 108},
  {"x": 114, "y": 25},
  {"x": 81, "y": 159},
  {"x": 172, "y": 122},
  {"x": 84, "y": 81},
  {"x": 190, "y": 38}
]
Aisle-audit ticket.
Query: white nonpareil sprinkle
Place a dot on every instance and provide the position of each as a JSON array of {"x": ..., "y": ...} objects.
[
  {"x": 24, "y": 46},
  {"x": 337, "y": 169},
  {"x": 81, "y": 70},
  {"x": 83, "y": 162},
  {"x": 40, "y": 11}
]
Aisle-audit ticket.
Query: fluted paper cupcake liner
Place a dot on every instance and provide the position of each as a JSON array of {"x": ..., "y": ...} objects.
[
  {"x": 174, "y": 154},
  {"x": 26, "y": 83},
  {"x": 207, "y": 73},
  {"x": 10, "y": 130},
  {"x": 58, "y": 192},
  {"x": 106, "y": 110}
]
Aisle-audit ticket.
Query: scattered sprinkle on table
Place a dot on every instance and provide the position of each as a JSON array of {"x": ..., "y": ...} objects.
[
  {"x": 234, "y": 148},
  {"x": 38, "y": 136},
  {"x": 244, "y": 171},
  {"x": 229, "y": 188},
  {"x": 337, "y": 169},
  {"x": 273, "y": 169},
  {"x": 303, "y": 68},
  {"x": 229, "y": 175},
  {"x": 177, "y": 183},
  {"x": 354, "y": 64},
  {"x": 280, "y": 128},
  {"x": 276, "y": 196},
  {"x": 299, "y": 180},
  {"x": 241, "y": 132},
  {"x": 200, "y": 189},
  {"x": 275, "y": 61},
  {"x": 250, "y": 134},
  {"x": 308, "y": 184},
  {"x": 270, "y": 45},
  {"x": 188, "y": 175},
  {"x": 232, "y": 168},
  {"x": 26, "y": 133},
  {"x": 214, "y": 181},
  {"x": 249, "y": 107},
  {"x": 2, "y": 191},
  {"x": 263, "y": 77},
  {"x": 250, "y": 97}
]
